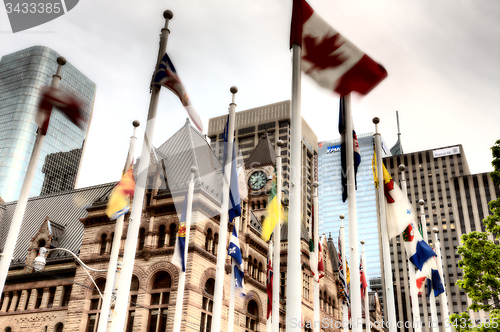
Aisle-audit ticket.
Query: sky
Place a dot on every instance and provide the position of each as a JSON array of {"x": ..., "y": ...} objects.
[{"x": 442, "y": 57}]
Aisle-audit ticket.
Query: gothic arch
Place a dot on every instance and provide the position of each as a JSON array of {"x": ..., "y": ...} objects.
[
  {"x": 252, "y": 295},
  {"x": 162, "y": 266}
]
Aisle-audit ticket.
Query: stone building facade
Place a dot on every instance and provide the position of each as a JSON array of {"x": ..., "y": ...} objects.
[{"x": 65, "y": 297}]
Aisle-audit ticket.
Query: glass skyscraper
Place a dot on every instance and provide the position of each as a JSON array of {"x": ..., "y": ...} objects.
[
  {"x": 330, "y": 198},
  {"x": 23, "y": 75}
]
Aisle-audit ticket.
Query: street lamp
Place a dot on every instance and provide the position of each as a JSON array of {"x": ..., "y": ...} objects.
[{"x": 40, "y": 261}]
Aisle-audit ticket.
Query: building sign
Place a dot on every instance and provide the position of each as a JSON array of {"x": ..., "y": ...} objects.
[
  {"x": 332, "y": 149},
  {"x": 446, "y": 152}
]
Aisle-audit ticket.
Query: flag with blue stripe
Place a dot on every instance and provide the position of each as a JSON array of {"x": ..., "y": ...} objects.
[
  {"x": 180, "y": 245},
  {"x": 237, "y": 262}
]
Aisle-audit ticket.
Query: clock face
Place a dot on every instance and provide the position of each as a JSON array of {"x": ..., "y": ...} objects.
[{"x": 257, "y": 180}]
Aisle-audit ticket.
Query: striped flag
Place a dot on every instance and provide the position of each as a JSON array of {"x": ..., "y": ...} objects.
[
  {"x": 178, "y": 259},
  {"x": 167, "y": 76},
  {"x": 119, "y": 199},
  {"x": 237, "y": 262},
  {"x": 67, "y": 104},
  {"x": 330, "y": 59}
]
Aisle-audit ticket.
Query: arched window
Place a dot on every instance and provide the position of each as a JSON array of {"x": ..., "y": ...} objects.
[
  {"x": 249, "y": 265},
  {"x": 134, "y": 288},
  {"x": 207, "y": 306},
  {"x": 259, "y": 272},
  {"x": 330, "y": 309},
  {"x": 41, "y": 243},
  {"x": 325, "y": 301},
  {"x": 161, "y": 236},
  {"x": 103, "y": 244},
  {"x": 258, "y": 205},
  {"x": 255, "y": 269},
  {"x": 253, "y": 206},
  {"x": 95, "y": 306},
  {"x": 111, "y": 242},
  {"x": 208, "y": 240},
  {"x": 59, "y": 327},
  {"x": 264, "y": 204},
  {"x": 215, "y": 244},
  {"x": 172, "y": 234},
  {"x": 142, "y": 237},
  {"x": 252, "y": 316},
  {"x": 160, "y": 297},
  {"x": 8, "y": 329}
]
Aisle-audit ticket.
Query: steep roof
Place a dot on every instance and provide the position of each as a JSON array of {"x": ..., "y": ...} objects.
[
  {"x": 64, "y": 210},
  {"x": 263, "y": 154},
  {"x": 333, "y": 254}
]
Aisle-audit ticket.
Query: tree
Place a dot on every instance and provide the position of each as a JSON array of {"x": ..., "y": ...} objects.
[{"x": 480, "y": 264}]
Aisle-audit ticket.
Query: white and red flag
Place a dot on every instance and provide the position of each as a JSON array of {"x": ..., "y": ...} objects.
[
  {"x": 67, "y": 104},
  {"x": 330, "y": 59},
  {"x": 321, "y": 265}
]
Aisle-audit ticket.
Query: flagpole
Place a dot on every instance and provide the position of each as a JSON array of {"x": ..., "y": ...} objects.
[
  {"x": 294, "y": 271},
  {"x": 113, "y": 269},
  {"x": 224, "y": 217},
  {"x": 230, "y": 320},
  {"x": 389, "y": 291},
  {"x": 182, "y": 275},
  {"x": 444, "y": 297},
  {"x": 367, "y": 311},
  {"x": 270, "y": 254},
  {"x": 353, "y": 224},
  {"x": 277, "y": 246},
  {"x": 432, "y": 299},
  {"x": 17, "y": 218},
  {"x": 316, "y": 320},
  {"x": 140, "y": 187},
  {"x": 417, "y": 327},
  {"x": 345, "y": 308}
]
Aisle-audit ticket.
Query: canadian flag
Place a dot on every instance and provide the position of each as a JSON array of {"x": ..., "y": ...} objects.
[
  {"x": 70, "y": 106},
  {"x": 330, "y": 59}
]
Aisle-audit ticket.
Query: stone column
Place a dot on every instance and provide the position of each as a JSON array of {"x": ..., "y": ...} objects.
[
  {"x": 58, "y": 296},
  {"x": 6, "y": 300},
  {"x": 45, "y": 298},
  {"x": 15, "y": 298},
  {"x": 32, "y": 299},
  {"x": 23, "y": 300}
]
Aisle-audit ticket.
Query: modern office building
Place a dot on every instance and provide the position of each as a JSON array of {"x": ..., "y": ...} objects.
[
  {"x": 274, "y": 119},
  {"x": 23, "y": 75},
  {"x": 455, "y": 203},
  {"x": 330, "y": 198}
]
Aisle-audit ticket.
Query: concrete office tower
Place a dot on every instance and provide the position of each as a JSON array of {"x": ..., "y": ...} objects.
[
  {"x": 455, "y": 203},
  {"x": 23, "y": 75},
  {"x": 274, "y": 119},
  {"x": 330, "y": 199}
]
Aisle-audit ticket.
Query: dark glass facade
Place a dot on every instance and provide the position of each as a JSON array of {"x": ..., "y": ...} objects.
[{"x": 23, "y": 75}]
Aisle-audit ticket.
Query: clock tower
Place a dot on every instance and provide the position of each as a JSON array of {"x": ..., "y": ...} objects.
[{"x": 259, "y": 169}]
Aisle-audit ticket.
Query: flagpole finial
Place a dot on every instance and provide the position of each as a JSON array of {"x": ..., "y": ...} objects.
[
  {"x": 341, "y": 216},
  {"x": 362, "y": 242},
  {"x": 402, "y": 167},
  {"x": 435, "y": 230},
  {"x": 193, "y": 169},
  {"x": 421, "y": 202},
  {"x": 233, "y": 89},
  {"x": 136, "y": 123},
  {"x": 376, "y": 120},
  {"x": 167, "y": 14},
  {"x": 279, "y": 143},
  {"x": 315, "y": 184},
  {"x": 61, "y": 60}
]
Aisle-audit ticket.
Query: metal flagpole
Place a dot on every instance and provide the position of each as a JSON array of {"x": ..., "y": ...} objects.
[
  {"x": 270, "y": 254},
  {"x": 432, "y": 299},
  {"x": 345, "y": 308},
  {"x": 357, "y": 320},
  {"x": 224, "y": 217},
  {"x": 182, "y": 275},
  {"x": 417, "y": 327},
  {"x": 17, "y": 218},
  {"x": 230, "y": 320},
  {"x": 277, "y": 246},
  {"x": 316, "y": 317},
  {"x": 389, "y": 291},
  {"x": 294, "y": 271},
  {"x": 113, "y": 269},
  {"x": 444, "y": 298},
  {"x": 140, "y": 187},
  {"x": 367, "y": 311}
]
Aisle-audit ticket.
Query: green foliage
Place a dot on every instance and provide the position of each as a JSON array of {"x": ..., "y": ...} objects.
[{"x": 480, "y": 264}]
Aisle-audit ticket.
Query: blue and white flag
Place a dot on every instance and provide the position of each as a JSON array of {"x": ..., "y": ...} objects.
[
  {"x": 343, "y": 150},
  {"x": 180, "y": 245},
  {"x": 234, "y": 189},
  {"x": 167, "y": 76},
  {"x": 237, "y": 262}
]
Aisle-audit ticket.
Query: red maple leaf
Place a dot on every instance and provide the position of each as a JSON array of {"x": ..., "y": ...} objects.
[
  {"x": 388, "y": 187},
  {"x": 320, "y": 54}
]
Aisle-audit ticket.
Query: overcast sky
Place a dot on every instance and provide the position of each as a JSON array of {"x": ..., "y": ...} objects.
[{"x": 443, "y": 60}]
